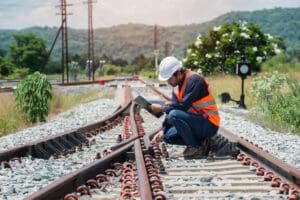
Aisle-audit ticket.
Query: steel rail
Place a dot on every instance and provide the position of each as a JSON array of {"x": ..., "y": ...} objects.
[
  {"x": 59, "y": 188},
  {"x": 9, "y": 89},
  {"x": 285, "y": 170},
  {"x": 144, "y": 185},
  {"x": 160, "y": 94},
  {"x": 6, "y": 89}
]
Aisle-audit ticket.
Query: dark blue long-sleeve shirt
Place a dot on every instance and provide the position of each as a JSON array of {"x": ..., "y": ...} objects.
[{"x": 196, "y": 88}]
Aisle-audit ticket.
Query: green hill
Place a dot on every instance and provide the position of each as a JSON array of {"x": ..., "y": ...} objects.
[{"x": 130, "y": 40}]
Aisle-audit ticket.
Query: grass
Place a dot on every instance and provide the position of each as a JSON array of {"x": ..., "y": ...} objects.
[
  {"x": 265, "y": 121},
  {"x": 11, "y": 120},
  {"x": 61, "y": 102},
  {"x": 231, "y": 84}
]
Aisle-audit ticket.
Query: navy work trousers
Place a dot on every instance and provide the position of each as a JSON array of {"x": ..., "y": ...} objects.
[{"x": 188, "y": 129}]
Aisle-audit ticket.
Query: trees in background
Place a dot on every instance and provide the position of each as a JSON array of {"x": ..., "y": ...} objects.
[
  {"x": 217, "y": 51},
  {"x": 26, "y": 54},
  {"x": 6, "y": 66},
  {"x": 28, "y": 51},
  {"x": 223, "y": 46},
  {"x": 138, "y": 64}
]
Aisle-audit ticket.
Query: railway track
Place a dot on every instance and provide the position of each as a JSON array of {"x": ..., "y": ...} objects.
[
  {"x": 7, "y": 86},
  {"x": 135, "y": 169}
]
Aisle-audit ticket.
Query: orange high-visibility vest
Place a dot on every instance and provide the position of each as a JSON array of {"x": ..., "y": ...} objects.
[{"x": 206, "y": 106}]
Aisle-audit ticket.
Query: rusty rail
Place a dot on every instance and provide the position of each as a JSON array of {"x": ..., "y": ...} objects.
[
  {"x": 144, "y": 185},
  {"x": 58, "y": 189},
  {"x": 287, "y": 171}
]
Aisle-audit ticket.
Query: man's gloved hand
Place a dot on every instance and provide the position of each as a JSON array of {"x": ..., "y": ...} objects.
[
  {"x": 156, "y": 108},
  {"x": 158, "y": 137}
]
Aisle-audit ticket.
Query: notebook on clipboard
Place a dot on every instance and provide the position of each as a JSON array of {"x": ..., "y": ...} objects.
[{"x": 146, "y": 105}]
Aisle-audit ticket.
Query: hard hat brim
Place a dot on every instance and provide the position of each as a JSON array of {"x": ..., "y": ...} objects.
[{"x": 161, "y": 78}]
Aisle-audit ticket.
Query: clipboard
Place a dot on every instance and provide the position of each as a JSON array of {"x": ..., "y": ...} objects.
[{"x": 143, "y": 103}]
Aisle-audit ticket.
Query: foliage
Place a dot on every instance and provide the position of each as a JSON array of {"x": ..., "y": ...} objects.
[
  {"x": 279, "y": 97},
  {"x": 130, "y": 69},
  {"x": 267, "y": 85},
  {"x": 9, "y": 117},
  {"x": 61, "y": 102},
  {"x": 28, "y": 51},
  {"x": 6, "y": 66},
  {"x": 222, "y": 48},
  {"x": 148, "y": 74},
  {"x": 6, "y": 126},
  {"x": 33, "y": 97},
  {"x": 119, "y": 62},
  {"x": 111, "y": 69},
  {"x": 279, "y": 21},
  {"x": 8, "y": 69},
  {"x": 282, "y": 63},
  {"x": 2, "y": 52},
  {"x": 20, "y": 73},
  {"x": 285, "y": 107}
]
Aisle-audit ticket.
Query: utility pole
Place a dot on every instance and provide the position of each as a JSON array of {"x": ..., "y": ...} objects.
[
  {"x": 167, "y": 48},
  {"x": 155, "y": 49},
  {"x": 64, "y": 39},
  {"x": 91, "y": 65}
]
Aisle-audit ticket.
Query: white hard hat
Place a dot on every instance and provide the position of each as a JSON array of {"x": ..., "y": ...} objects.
[{"x": 168, "y": 66}]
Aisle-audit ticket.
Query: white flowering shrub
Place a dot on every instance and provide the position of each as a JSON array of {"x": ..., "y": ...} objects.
[{"x": 223, "y": 46}]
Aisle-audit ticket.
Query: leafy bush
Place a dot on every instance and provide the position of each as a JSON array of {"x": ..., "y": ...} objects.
[
  {"x": 20, "y": 73},
  {"x": 148, "y": 74},
  {"x": 282, "y": 63},
  {"x": 130, "y": 69},
  {"x": 111, "y": 70},
  {"x": 28, "y": 50},
  {"x": 6, "y": 66},
  {"x": 33, "y": 97},
  {"x": 282, "y": 107},
  {"x": 265, "y": 86}
]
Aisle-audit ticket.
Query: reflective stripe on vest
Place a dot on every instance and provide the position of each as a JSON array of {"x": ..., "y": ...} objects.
[{"x": 205, "y": 106}]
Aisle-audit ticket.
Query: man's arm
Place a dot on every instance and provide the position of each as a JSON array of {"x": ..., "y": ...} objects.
[{"x": 196, "y": 88}]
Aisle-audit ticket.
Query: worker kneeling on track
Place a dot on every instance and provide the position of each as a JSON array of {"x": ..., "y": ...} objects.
[{"x": 192, "y": 117}]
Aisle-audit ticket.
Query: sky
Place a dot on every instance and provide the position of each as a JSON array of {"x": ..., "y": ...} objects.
[{"x": 18, "y": 14}]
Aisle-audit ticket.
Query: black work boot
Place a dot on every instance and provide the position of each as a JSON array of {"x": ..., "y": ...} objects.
[{"x": 197, "y": 152}]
